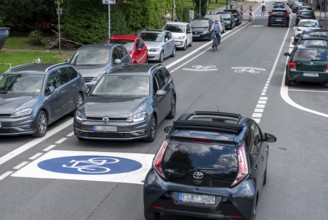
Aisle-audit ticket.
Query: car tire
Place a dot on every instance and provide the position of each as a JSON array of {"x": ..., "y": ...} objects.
[
  {"x": 41, "y": 124},
  {"x": 79, "y": 100},
  {"x": 152, "y": 129},
  {"x": 152, "y": 215},
  {"x": 190, "y": 45},
  {"x": 173, "y": 52},
  {"x": 172, "y": 112},
  {"x": 254, "y": 212},
  {"x": 161, "y": 57},
  {"x": 265, "y": 177},
  {"x": 287, "y": 81},
  {"x": 185, "y": 45},
  {"x": 269, "y": 24}
]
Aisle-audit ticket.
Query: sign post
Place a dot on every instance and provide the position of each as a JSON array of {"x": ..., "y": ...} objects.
[
  {"x": 108, "y": 2},
  {"x": 59, "y": 12}
]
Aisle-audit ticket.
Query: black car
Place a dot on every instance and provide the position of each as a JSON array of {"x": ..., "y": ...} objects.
[
  {"x": 34, "y": 95},
  {"x": 126, "y": 104},
  {"x": 228, "y": 20},
  {"x": 278, "y": 16},
  {"x": 236, "y": 15},
  {"x": 317, "y": 34},
  {"x": 201, "y": 29},
  {"x": 304, "y": 15},
  {"x": 211, "y": 165}
]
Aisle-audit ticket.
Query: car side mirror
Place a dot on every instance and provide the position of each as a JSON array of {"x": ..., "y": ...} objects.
[
  {"x": 117, "y": 61},
  {"x": 269, "y": 138},
  {"x": 287, "y": 54},
  {"x": 50, "y": 90},
  {"x": 161, "y": 92},
  {"x": 166, "y": 39},
  {"x": 167, "y": 129}
]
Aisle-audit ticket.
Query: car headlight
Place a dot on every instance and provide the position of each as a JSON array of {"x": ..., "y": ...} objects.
[
  {"x": 137, "y": 117},
  {"x": 228, "y": 22},
  {"x": 152, "y": 50},
  {"x": 79, "y": 116},
  {"x": 22, "y": 113},
  {"x": 181, "y": 37}
]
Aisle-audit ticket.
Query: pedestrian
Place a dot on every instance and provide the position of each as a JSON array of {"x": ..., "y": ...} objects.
[{"x": 166, "y": 17}]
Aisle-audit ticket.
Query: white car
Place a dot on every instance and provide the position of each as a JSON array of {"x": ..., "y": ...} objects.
[
  {"x": 305, "y": 25},
  {"x": 181, "y": 33}
]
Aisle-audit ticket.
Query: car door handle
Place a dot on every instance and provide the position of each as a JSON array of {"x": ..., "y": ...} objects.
[{"x": 255, "y": 168}]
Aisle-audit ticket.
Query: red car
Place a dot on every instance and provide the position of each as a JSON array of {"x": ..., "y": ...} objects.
[{"x": 134, "y": 45}]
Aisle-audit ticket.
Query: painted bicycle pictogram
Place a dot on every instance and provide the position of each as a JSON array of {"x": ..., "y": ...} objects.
[
  {"x": 252, "y": 70},
  {"x": 92, "y": 165}
]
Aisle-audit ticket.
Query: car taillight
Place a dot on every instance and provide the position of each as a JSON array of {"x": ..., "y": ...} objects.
[
  {"x": 292, "y": 65},
  {"x": 242, "y": 165},
  {"x": 201, "y": 140},
  {"x": 327, "y": 66},
  {"x": 286, "y": 14},
  {"x": 270, "y": 14},
  {"x": 157, "y": 163}
]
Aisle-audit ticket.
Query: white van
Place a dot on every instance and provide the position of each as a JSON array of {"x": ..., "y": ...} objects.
[{"x": 181, "y": 32}]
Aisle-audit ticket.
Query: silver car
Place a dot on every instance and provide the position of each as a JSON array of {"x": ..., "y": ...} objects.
[
  {"x": 160, "y": 44},
  {"x": 32, "y": 96}
]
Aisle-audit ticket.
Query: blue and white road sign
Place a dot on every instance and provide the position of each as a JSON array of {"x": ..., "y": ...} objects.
[{"x": 90, "y": 166}]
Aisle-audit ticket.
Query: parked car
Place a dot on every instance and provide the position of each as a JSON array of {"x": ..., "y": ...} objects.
[
  {"x": 210, "y": 165},
  {"x": 134, "y": 45},
  {"x": 278, "y": 4},
  {"x": 228, "y": 20},
  {"x": 201, "y": 29},
  {"x": 213, "y": 17},
  {"x": 304, "y": 8},
  {"x": 314, "y": 42},
  {"x": 320, "y": 35},
  {"x": 181, "y": 33},
  {"x": 160, "y": 44},
  {"x": 4, "y": 34},
  {"x": 305, "y": 25},
  {"x": 93, "y": 60},
  {"x": 32, "y": 96},
  {"x": 278, "y": 16},
  {"x": 307, "y": 64},
  {"x": 126, "y": 104},
  {"x": 236, "y": 15},
  {"x": 304, "y": 15},
  {"x": 296, "y": 5}
]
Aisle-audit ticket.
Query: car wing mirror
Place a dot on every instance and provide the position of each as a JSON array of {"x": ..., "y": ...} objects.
[
  {"x": 161, "y": 92},
  {"x": 166, "y": 39},
  {"x": 117, "y": 61},
  {"x": 287, "y": 54},
  {"x": 50, "y": 90},
  {"x": 269, "y": 138},
  {"x": 167, "y": 129}
]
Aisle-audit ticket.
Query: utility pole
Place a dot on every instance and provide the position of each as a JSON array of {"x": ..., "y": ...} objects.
[
  {"x": 59, "y": 12},
  {"x": 200, "y": 9}
]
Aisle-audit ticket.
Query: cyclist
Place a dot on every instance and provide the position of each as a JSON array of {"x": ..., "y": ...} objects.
[
  {"x": 216, "y": 27},
  {"x": 263, "y": 7}
]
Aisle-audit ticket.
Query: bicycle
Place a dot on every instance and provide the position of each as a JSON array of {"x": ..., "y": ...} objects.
[{"x": 215, "y": 42}]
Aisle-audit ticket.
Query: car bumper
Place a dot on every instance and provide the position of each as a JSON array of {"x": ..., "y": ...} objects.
[
  {"x": 17, "y": 126},
  {"x": 179, "y": 43},
  {"x": 279, "y": 21},
  {"x": 124, "y": 130},
  {"x": 201, "y": 36},
  {"x": 153, "y": 55},
  {"x": 161, "y": 196},
  {"x": 305, "y": 76}
]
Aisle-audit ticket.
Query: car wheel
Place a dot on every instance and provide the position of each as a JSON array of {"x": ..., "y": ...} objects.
[
  {"x": 152, "y": 129},
  {"x": 265, "y": 177},
  {"x": 287, "y": 81},
  {"x": 41, "y": 124},
  {"x": 161, "y": 57},
  {"x": 190, "y": 45},
  {"x": 325, "y": 84},
  {"x": 185, "y": 45},
  {"x": 254, "y": 212},
  {"x": 152, "y": 215},
  {"x": 171, "y": 114},
  {"x": 173, "y": 52}
]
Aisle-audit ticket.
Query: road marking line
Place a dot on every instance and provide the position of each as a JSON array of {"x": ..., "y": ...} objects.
[
  {"x": 263, "y": 98},
  {"x": 258, "y": 110},
  {"x": 22, "y": 164},
  {"x": 304, "y": 90},
  {"x": 257, "y": 115},
  {"x": 261, "y": 102},
  {"x": 35, "y": 156},
  {"x": 260, "y": 106},
  {"x": 61, "y": 140},
  {"x": 49, "y": 148},
  {"x": 257, "y": 120},
  {"x": 34, "y": 142},
  {"x": 5, "y": 174},
  {"x": 70, "y": 134}
]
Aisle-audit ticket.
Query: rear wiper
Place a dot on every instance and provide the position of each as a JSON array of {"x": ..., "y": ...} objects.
[{"x": 316, "y": 60}]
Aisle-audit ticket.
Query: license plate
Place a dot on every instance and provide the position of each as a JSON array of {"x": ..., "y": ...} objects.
[
  {"x": 196, "y": 198},
  {"x": 311, "y": 74},
  {"x": 195, "y": 35},
  {"x": 279, "y": 19},
  {"x": 105, "y": 128}
]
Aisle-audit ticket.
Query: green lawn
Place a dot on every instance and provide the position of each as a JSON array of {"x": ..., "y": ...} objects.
[
  {"x": 14, "y": 58},
  {"x": 20, "y": 42}
]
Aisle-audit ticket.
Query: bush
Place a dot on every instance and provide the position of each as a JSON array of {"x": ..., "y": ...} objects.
[{"x": 36, "y": 37}]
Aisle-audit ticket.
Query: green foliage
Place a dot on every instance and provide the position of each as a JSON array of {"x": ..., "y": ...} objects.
[
  {"x": 35, "y": 37},
  {"x": 203, "y": 7}
]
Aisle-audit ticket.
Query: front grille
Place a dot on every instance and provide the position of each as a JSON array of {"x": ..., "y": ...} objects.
[
  {"x": 99, "y": 119},
  {"x": 4, "y": 115},
  {"x": 106, "y": 135},
  {"x": 88, "y": 79}
]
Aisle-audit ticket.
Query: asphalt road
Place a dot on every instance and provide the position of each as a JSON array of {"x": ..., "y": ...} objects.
[{"x": 205, "y": 80}]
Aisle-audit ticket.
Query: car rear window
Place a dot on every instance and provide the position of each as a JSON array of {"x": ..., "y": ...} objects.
[
  {"x": 312, "y": 54},
  {"x": 198, "y": 155},
  {"x": 128, "y": 44},
  {"x": 279, "y": 13},
  {"x": 175, "y": 28},
  {"x": 314, "y": 43}
]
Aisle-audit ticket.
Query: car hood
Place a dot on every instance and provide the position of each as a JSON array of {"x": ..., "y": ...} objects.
[
  {"x": 177, "y": 35},
  {"x": 90, "y": 71},
  {"x": 10, "y": 103},
  {"x": 153, "y": 44},
  {"x": 96, "y": 106}
]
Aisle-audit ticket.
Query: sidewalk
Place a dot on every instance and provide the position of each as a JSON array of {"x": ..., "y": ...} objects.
[{"x": 322, "y": 17}]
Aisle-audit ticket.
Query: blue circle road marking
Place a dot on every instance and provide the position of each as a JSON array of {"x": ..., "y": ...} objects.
[{"x": 90, "y": 165}]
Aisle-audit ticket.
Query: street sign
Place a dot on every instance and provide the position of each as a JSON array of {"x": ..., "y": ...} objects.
[
  {"x": 106, "y": 2},
  {"x": 59, "y": 11}
]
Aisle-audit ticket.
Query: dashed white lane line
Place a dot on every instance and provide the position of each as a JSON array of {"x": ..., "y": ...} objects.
[
  {"x": 70, "y": 134},
  {"x": 61, "y": 140},
  {"x": 35, "y": 156},
  {"x": 22, "y": 164},
  {"x": 49, "y": 148},
  {"x": 5, "y": 174}
]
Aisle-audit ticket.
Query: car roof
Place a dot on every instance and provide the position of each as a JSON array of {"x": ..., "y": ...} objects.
[
  {"x": 279, "y": 9},
  {"x": 124, "y": 37},
  {"x": 40, "y": 68},
  {"x": 177, "y": 23},
  {"x": 97, "y": 46},
  {"x": 197, "y": 19},
  {"x": 154, "y": 31},
  {"x": 139, "y": 69},
  {"x": 302, "y": 47}
]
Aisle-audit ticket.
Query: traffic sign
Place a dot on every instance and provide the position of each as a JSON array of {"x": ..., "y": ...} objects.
[
  {"x": 106, "y": 2},
  {"x": 89, "y": 166}
]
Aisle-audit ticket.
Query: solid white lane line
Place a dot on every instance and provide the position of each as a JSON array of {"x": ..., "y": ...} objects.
[
  {"x": 5, "y": 174},
  {"x": 22, "y": 164},
  {"x": 34, "y": 142},
  {"x": 304, "y": 90},
  {"x": 61, "y": 140},
  {"x": 35, "y": 156},
  {"x": 49, "y": 148}
]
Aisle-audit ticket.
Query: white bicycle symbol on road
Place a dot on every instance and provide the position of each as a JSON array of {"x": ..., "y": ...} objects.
[
  {"x": 92, "y": 165},
  {"x": 252, "y": 70}
]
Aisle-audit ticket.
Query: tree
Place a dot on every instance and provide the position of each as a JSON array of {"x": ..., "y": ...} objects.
[{"x": 203, "y": 6}]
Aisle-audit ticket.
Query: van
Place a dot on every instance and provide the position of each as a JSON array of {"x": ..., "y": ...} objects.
[{"x": 181, "y": 33}]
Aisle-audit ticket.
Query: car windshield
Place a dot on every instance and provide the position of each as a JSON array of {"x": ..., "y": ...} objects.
[
  {"x": 199, "y": 23},
  {"x": 158, "y": 37},
  {"x": 314, "y": 43},
  {"x": 306, "y": 13},
  {"x": 225, "y": 16},
  {"x": 90, "y": 57},
  {"x": 213, "y": 17},
  {"x": 21, "y": 83},
  {"x": 175, "y": 28},
  {"x": 308, "y": 24},
  {"x": 312, "y": 54},
  {"x": 128, "y": 44},
  {"x": 122, "y": 86}
]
